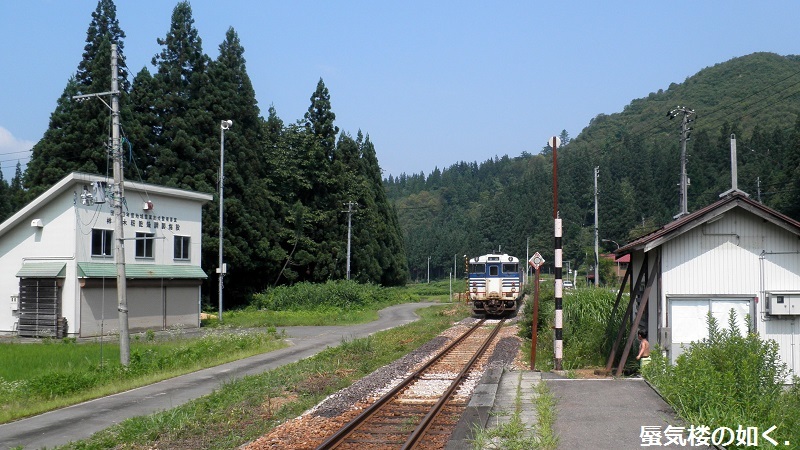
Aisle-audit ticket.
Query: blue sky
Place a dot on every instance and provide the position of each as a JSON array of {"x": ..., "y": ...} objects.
[{"x": 432, "y": 83}]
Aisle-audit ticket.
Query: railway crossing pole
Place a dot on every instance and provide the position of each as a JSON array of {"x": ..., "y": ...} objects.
[
  {"x": 536, "y": 262},
  {"x": 558, "y": 344}
]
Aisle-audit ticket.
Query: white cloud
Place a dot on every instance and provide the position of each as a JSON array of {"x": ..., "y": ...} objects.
[{"x": 11, "y": 151}]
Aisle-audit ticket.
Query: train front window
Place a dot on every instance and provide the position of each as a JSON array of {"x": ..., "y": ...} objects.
[
  {"x": 477, "y": 269},
  {"x": 493, "y": 270},
  {"x": 510, "y": 268}
]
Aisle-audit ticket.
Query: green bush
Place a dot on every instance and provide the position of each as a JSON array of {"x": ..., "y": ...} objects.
[
  {"x": 305, "y": 296},
  {"x": 729, "y": 380},
  {"x": 59, "y": 384}
]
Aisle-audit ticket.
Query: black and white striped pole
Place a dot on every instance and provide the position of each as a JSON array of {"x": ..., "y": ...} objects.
[{"x": 558, "y": 343}]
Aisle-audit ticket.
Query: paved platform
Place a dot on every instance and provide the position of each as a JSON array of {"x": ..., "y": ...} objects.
[
  {"x": 494, "y": 403},
  {"x": 606, "y": 413}
]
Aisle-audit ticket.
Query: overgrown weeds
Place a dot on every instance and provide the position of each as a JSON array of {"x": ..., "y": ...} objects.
[
  {"x": 730, "y": 379},
  {"x": 588, "y": 333},
  {"x": 332, "y": 303}
]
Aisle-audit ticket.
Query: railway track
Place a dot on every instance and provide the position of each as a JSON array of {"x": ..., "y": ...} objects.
[{"x": 420, "y": 412}]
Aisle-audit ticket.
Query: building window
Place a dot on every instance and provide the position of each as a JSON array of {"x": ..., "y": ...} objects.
[
  {"x": 144, "y": 245},
  {"x": 101, "y": 242},
  {"x": 181, "y": 247}
]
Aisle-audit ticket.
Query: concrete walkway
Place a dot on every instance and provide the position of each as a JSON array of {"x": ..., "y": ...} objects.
[
  {"x": 81, "y": 421},
  {"x": 596, "y": 414},
  {"x": 608, "y": 413}
]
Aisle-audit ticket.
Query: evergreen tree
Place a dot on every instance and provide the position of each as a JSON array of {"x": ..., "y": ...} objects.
[
  {"x": 319, "y": 191},
  {"x": 179, "y": 156},
  {"x": 248, "y": 212},
  {"x": 16, "y": 190},
  {"x": 78, "y": 136},
  {"x": 5, "y": 199},
  {"x": 392, "y": 267},
  {"x": 320, "y": 118}
]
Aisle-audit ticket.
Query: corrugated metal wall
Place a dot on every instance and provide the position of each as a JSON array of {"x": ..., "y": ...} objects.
[
  {"x": 151, "y": 307},
  {"x": 739, "y": 255}
]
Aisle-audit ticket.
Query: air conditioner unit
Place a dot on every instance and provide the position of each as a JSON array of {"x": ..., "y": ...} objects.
[{"x": 783, "y": 303}]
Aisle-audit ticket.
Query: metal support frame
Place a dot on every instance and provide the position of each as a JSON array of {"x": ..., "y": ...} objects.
[{"x": 642, "y": 307}]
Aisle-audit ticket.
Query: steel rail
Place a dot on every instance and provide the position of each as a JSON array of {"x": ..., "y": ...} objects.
[
  {"x": 427, "y": 421},
  {"x": 337, "y": 438}
]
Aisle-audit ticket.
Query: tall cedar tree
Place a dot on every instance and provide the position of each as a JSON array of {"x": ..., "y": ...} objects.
[
  {"x": 179, "y": 156},
  {"x": 5, "y": 199},
  {"x": 249, "y": 219},
  {"x": 323, "y": 256},
  {"x": 78, "y": 136}
]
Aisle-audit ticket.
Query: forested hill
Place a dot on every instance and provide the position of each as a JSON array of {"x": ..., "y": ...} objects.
[{"x": 471, "y": 208}]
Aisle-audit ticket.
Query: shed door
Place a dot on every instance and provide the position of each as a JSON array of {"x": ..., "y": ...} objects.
[
  {"x": 40, "y": 308},
  {"x": 689, "y": 323}
]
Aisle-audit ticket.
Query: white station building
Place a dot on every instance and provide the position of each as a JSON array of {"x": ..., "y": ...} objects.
[
  {"x": 735, "y": 254},
  {"x": 58, "y": 276}
]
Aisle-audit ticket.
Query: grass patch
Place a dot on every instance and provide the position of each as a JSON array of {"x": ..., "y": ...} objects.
[
  {"x": 245, "y": 409},
  {"x": 35, "y": 378},
  {"x": 331, "y": 303}
]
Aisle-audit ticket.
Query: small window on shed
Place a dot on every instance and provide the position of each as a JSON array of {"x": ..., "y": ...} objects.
[
  {"x": 144, "y": 245},
  {"x": 181, "y": 247},
  {"x": 101, "y": 242}
]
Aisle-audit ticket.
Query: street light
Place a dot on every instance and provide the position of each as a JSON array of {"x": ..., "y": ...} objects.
[
  {"x": 429, "y": 269},
  {"x": 615, "y": 256},
  {"x": 224, "y": 125}
]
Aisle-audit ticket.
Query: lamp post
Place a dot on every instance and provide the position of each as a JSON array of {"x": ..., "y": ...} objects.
[
  {"x": 615, "y": 256},
  {"x": 224, "y": 125},
  {"x": 429, "y": 269}
]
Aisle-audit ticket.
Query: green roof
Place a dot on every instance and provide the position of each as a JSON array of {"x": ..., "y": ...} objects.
[
  {"x": 109, "y": 270},
  {"x": 43, "y": 270}
]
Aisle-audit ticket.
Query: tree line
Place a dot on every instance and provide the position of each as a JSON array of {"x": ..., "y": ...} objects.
[
  {"x": 286, "y": 184},
  {"x": 506, "y": 202}
]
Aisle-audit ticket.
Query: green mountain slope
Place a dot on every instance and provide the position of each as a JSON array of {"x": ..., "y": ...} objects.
[{"x": 471, "y": 208}]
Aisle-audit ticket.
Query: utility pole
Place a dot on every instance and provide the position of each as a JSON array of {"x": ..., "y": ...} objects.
[
  {"x": 119, "y": 193},
  {"x": 685, "y": 131},
  {"x": 558, "y": 341},
  {"x": 596, "y": 233},
  {"x": 349, "y": 222},
  {"x": 758, "y": 184}
]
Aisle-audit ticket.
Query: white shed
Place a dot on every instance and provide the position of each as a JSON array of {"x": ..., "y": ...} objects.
[
  {"x": 59, "y": 273},
  {"x": 733, "y": 254}
]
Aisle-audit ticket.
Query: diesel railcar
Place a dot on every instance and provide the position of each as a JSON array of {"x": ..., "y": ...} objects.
[{"x": 495, "y": 284}]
